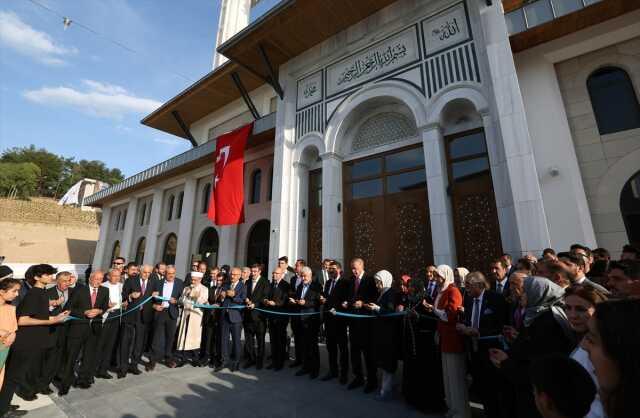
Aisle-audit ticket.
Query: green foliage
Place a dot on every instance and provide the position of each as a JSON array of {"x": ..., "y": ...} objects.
[
  {"x": 19, "y": 179},
  {"x": 56, "y": 173}
]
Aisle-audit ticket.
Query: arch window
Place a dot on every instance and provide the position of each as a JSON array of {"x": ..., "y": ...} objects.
[
  {"x": 140, "y": 250},
  {"x": 179, "y": 207},
  {"x": 172, "y": 200},
  {"x": 383, "y": 128},
  {"x": 115, "y": 252},
  {"x": 630, "y": 208},
  {"x": 143, "y": 212},
  {"x": 258, "y": 243},
  {"x": 256, "y": 179},
  {"x": 614, "y": 100},
  {"x": 170, "y": 248},
  {"x": 206, "y": 195},
  {"x": 208, "y": 246}
]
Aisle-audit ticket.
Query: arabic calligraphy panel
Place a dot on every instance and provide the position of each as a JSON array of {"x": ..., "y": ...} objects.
[
  {"x": 381, "y": 58},
  {"x": 446, "y": 29},
  {"x": 309, "y": 90}
]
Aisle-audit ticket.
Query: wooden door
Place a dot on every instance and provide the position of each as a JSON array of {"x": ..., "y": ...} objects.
[
  {"x": 314, "y": 225},
  {"x": 475, "y": 217},
  {"x": 386, "y": 216}
]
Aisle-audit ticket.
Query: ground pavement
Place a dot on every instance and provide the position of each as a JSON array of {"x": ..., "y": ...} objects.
[{"x": 198, "y": 392}]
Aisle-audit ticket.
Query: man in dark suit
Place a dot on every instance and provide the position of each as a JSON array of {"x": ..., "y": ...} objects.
[
  {"x": 334, "y": 296},
  {"x": 431, "y": 284},
  {"x": 307, "y": 301},
  {"x": 276, "y": 301},
  {"x": 255, "y": 324},
  {"x": 88, "y": 304},
  {"x": 233, "y": 293},
  {"x": 159, "y": 272},
  {"x": 486, "y": 313},
  {"x": 59, "y": 296},
  {"x": 575, "y": 264},
  {"x": 136, "y": 321},
  {"x": 164, "y": 319},
  {"x": 288, "y": 271},
  {"x": 498, "y": 277},
  {"x": 296, "y": 324},
  {"x": 322, "y": 276},
  {"x": 210, "y": 347},
  {"x": 363, "y": 291}
]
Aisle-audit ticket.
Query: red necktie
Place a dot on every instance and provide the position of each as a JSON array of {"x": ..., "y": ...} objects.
[
  {"x": 144, "y": 286},
  {"x": 93, "y": 297},
  {"x": 357, "y": 285}
]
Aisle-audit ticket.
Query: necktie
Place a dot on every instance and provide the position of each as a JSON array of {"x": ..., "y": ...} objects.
[
  {"x": 94, "y": 294},
  {"x": 357, "y": 285},
  {"x": 476, "y": 314},
  {"x": 331, "y": 283},
  {"x": 144, "y": 286},
  {"x": 499, "y": 288}
]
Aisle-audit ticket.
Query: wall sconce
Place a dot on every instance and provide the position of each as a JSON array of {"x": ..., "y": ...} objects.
[
  {"x": 554, "y": 171},
  {"x": 304, "y": 212},
  {"x": 339, "y": 207}
]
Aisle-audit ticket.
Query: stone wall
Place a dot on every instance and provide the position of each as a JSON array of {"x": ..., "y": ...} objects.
[{"x": 606, "y": 162}]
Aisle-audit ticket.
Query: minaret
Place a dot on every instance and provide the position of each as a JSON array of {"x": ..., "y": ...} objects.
[{"x": 234, "y": 16}]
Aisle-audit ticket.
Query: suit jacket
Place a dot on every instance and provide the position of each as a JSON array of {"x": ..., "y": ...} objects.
[
  {"x": 311, "y": 301},
  {"x": 131, "y": 285},
  {"x": 339, "y": 294},
  {"x": 280, "y": 295},
  {"x": 367, "y": 291},
  {"x": 178, "y": 287},
  {"x": 79, "y": 302},
  {"x": 505, "y": 289},
  {"x": 493, "y": 316},
  {"x": 58, "y": 330},
  {"x": 234, "y": 315},
  {"x": 595, "y": 285},
  {"x": 319, "y": 277},
  {"x": 210, "y": 317},
  {"x": 256, "y": 296},
  {"x": 288, "y": 275},
  {"x": 293, "y": 285}
]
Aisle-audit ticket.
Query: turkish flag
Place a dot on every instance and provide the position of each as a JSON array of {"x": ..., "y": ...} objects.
[{"x": 226, "y": 206}]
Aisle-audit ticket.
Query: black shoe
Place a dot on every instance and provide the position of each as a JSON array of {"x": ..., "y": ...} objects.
[
  {"x": 13, "y": 407},
  {"x": 218, "y": 368},
  {"x": 83, "y": 385},
  {"x": 235, "y": 367},
  {"x": 356, "y": 383},
  {"x": 134, "y": 370},
  {"x": 270, "y": 366},
  {"x": 329, "y": 376},
  {"x": 278, "y": 368},
  {"x": 150, "y": 366},
  {"x": 15, "y": 413},
  {"x": 248, "y": 364},
  {"x": 27, "y": 396},
  {"x": 295, "y": 364},
  {"x": 104, "y": 375},
  {"x": 301, "y": 372},
  {"x": 63, "y": 391},
  {"x": 313, "y": 375},
  {"x": 259, "y": 366},
  {"x": 121, "y": 374},
  {"x": 343, "y": 379},
  {"x": 46, "y": 391},
  {"x": 370, "y": 387}
]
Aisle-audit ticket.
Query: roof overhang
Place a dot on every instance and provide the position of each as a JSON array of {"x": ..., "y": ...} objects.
[
  {"x": 567, "y": 24},
  {"x": 283, "y": 32}
]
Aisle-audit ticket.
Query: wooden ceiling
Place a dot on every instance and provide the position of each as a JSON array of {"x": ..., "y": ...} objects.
[
  {"x": 565, "y": 25},
  {"x": 288, "y": 30}
]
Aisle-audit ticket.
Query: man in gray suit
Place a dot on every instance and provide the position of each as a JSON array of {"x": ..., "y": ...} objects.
[{"x": 575, "y": 264}]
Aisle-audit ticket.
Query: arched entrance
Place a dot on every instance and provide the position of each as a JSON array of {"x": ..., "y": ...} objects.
[
  {"x": 630, "y": 208},
  {"x": 208, "y": 246},
  {"x": 258, "y": 243},
  {"x": 115, "y": 252},
  {"x": 170, "y": 248}
]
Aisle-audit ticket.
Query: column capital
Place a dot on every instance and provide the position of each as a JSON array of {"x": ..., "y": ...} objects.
[
  {"x": 331, "y": 156},
  {"x": 431, "y": 126},
  {"x": 300, "y": 165}
]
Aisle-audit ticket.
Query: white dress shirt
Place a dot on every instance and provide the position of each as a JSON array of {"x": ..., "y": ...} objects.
[{"x": 167, "y": 291}]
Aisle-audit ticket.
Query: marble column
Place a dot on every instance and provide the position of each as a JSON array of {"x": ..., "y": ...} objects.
[
  {"x": 300, "y": 205},
  {"x": 228, "y": 243},
  {"x": 185, "y": 227},
  {"x": 151, "y": 253},
  {"x": 332, "y": 225},
  {"x": 129, "y": 226},
  {"x": 522, "y": 217},
  {"x": 105, "y": 224},
  {"x": 440, "y": 213}
]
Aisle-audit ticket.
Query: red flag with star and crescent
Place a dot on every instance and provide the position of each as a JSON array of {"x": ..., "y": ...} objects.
[{"x": 226, "y": 206}]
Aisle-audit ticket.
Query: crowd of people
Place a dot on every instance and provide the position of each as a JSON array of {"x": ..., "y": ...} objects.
[{"x": 553, "y": 336}]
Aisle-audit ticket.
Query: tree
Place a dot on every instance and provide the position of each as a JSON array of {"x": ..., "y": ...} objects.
[
  {"x": 19, "y": 178},
  {"x": 56, "y": 173}
]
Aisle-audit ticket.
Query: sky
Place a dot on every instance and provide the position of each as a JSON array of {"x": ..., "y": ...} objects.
[{"x": 78, "y": 94}]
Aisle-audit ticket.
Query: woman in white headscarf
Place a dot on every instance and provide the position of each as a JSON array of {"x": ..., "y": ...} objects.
[
  {"x": 386, "y": 330},
  {"x": 190, "y": 325},
  {"x": 454, "y": 371}
]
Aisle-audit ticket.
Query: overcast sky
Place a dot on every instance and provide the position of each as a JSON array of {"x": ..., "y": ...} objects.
[{"x": 77, "y": 94}]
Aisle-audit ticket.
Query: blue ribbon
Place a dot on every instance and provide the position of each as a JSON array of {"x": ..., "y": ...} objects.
[
  {"x": 207, "y": 306},
  {"x": 350, "y": 315},
  {"x": 109, "y": 318}
]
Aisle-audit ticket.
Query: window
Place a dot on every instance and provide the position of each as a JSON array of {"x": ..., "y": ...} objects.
[
  {"x": 172, "y": 200},
  {"x": 179, "y": 208},
  {"x": 564, "y": 7},
  {"x": 143, "y": 212},
  {"x": 630, "y": 208},
  {"x": 170, "y": 248},
  {"x": 206, "y": 195},
  {"x": 140, "y": 250},
  {"x": 614, "y": 100},
  {"x": 117, "y": 224},
  {"x": 149, "y": 212},
  {"x": 124, "y": 219},
  {"x": 538, "y": 12},
  {"x": 115, "y": 252},
  {"x": 256, "y": 179},
  {"x": 273, "y": 104}
]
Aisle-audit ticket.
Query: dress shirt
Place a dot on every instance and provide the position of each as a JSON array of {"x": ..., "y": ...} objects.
[
  {"x": 115, "y": 297},
  {"x": 167, "y": 291},
  {"x": 500, "y": 284},
  {"x": 581, "y": 280},
  {"x": 305, "y": 287},
  {"x": 476, "y": 313}
]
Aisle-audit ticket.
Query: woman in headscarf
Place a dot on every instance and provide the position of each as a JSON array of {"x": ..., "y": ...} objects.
[
  {"x": 386, "y": 330},
  {"x": 459, "y": 274},
  {"x": 190, "y": 325},
  {"x": 446, "y": 307},
  {"x": 545, "y": 331},
  {"x": 421, "y": 354}
]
